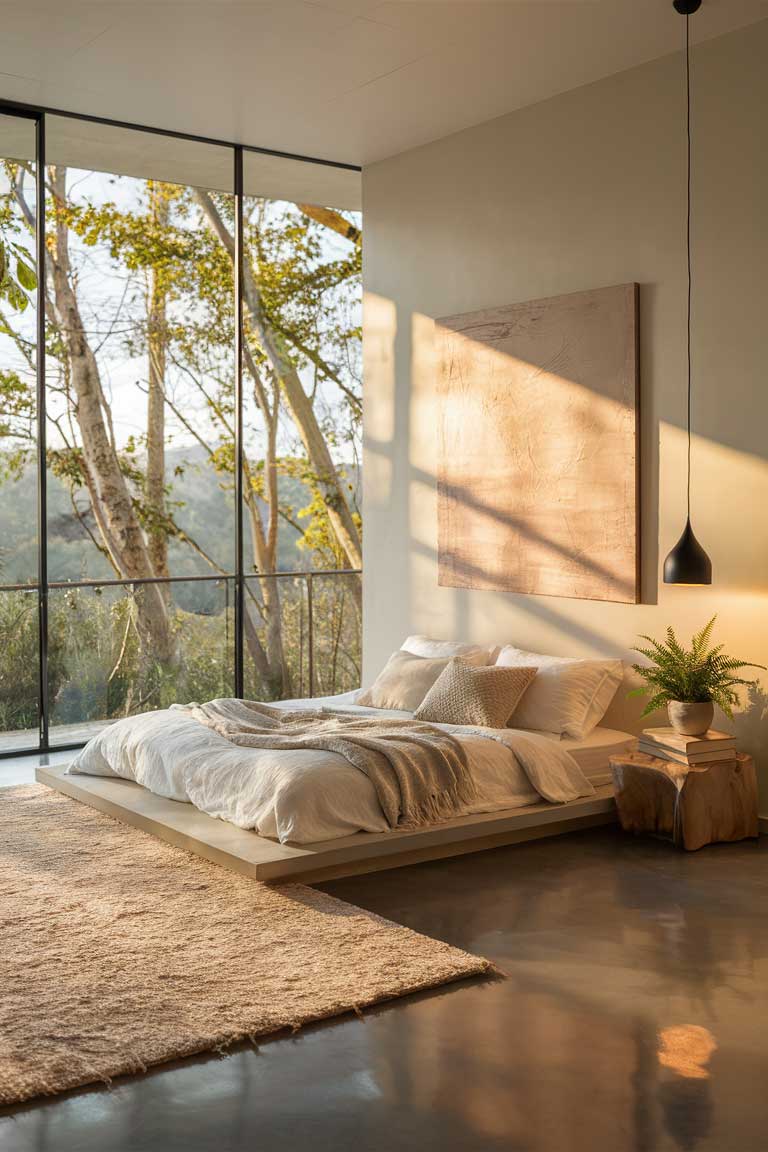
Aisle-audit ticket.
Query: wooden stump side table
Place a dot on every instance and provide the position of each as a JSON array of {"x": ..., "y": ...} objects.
[{"x": 691, "y": 805}]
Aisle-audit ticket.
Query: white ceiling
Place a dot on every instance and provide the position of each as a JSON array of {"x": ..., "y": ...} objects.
[{"x": 349, "y": 80}]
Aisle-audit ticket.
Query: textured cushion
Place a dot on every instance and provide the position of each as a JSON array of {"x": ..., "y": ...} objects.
[
  {"x": 568, "y": 696},
  {"x": 403, "y": 682},
  {"x": 445, "y": 649},
  {"x": 463, "y": 694}
]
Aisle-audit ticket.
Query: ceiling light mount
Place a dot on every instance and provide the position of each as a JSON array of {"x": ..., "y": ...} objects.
[{"x": 686, "y": 7}]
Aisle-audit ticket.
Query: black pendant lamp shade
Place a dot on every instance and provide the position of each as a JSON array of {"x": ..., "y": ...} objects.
[{"x": 688, "y": 563}]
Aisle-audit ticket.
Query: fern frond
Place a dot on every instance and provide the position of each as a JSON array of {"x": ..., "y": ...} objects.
[
  {"x": 674, "y": 646},
  {"x": 701, "y": 639},
  {"x": 728, "y": 664},
  {"x": 657, "y": 646}
]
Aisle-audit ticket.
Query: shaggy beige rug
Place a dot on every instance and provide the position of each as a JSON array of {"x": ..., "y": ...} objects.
[{"x": 119, "y": 951}]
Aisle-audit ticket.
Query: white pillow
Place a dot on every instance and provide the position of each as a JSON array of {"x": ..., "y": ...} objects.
[
  {"x": 567, "y": 696},
  {"x": 476, "y": 654}
]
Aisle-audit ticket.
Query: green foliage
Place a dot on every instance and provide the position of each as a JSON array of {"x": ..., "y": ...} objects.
[
  {"x": 67, "y": 465},
  {"x": 14, "y": 288},
  {"x": 17, "y": 273},
  {"x": 692, "y": 675},
  {"x": 14, "y": 285},
  {"x": 17, "y": 432},
  {"x": 140, "y": 242},
  {"x": 26, "y": 276},
  {"x": 337, "y": 650},
  {"x": 18, "y": 667},
  {"x": 97, "y": 671}
]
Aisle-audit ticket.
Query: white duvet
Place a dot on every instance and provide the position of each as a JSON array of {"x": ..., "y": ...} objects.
[{"x": 306, "y": 795}]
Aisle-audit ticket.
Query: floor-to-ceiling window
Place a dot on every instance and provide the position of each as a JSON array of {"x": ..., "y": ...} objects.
[{"x": 130, "y": 575}]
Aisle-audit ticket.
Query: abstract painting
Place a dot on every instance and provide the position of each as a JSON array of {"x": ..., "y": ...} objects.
[{"x": 538, "y": 451}]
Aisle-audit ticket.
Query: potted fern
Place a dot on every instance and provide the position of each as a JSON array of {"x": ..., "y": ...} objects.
[{"x": 690, "y": 681}]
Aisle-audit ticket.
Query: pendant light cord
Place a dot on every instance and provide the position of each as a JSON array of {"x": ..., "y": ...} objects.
[{"x": 688, "y": 235}]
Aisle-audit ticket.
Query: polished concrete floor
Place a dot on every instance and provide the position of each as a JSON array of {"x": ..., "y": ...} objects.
[
  {"x": 21, "y": 769},
  {"x": 632, "y": 1017}
]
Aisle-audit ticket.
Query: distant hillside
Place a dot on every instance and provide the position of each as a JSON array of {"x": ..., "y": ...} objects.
[{"x": 206, "y": 513}]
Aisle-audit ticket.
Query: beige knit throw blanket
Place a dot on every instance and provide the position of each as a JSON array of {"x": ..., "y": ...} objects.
[{"x": 420, "y": 773}]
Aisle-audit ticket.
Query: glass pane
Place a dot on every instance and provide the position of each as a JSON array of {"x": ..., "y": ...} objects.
[
  {"x": 19, "y": 638},
  {"x": 337, "y": 633},
  {"x": 301, "y": 181},
  {"x": 140, "y": 374},
  {"x": 19, "y": 685},
  {"x": 276, "y": 664},
  {"x": 143, "y": 155},
  {"x": 301, "y": 385},
  {"x": 99, "y": 668},
  {"x": 18, "y": 353}
]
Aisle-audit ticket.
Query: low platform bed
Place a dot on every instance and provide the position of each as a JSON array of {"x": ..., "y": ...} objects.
[
  {"x": 265, "y": 859},
  {"x": 311, "y": 789}
]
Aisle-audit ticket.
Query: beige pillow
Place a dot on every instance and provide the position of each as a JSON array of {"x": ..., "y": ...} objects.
[
  {"x": 403, "y": 682},
  {"x": 483, "y": 696}
]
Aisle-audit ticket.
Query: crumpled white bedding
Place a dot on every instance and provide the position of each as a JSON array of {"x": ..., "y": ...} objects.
[{"x": 307, "y": 795}]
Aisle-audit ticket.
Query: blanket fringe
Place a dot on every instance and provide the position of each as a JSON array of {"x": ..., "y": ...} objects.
[{"x": 438, "y": 807}]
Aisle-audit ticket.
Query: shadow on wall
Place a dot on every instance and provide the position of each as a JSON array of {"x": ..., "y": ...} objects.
[
  {"x": 719, "y": 470},
  {"x": 473, "y": 574},
  {"x": 556, "y": 390},
  {"x": 729, "y": 482},
  {"x": 625, "y": 712},
  {"x": 467, "y": 574},
  {"x": 400, "y": 455},
  {"x": 751, "y": 723},
  {"x": 386, "y": 455}
]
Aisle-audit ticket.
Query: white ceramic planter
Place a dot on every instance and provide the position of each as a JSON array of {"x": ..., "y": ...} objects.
[{"x": 690, "y": 719}]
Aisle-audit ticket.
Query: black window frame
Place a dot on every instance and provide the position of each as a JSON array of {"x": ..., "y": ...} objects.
[{"x": 38, "y": 113}]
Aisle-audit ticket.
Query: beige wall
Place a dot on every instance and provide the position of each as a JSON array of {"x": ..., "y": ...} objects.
[{"x": 578, "y": 192}]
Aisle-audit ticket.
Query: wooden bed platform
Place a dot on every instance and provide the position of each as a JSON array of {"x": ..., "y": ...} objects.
[{"x": 186, "y": 827}]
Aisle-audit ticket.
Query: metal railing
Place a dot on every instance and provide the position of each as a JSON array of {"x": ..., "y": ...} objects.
[{"x": 309, "y": 636}]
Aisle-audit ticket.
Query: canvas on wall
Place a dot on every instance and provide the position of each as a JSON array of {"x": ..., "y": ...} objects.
[{"x": 538, "y": 453}]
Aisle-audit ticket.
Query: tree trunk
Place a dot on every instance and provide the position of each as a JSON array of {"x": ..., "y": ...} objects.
[
  {"x": 157, "y": 535},
  {"x": 113, "y": 505},
  {"x": 332, "y": 220},
  {"x": 276, "y": 675},
  {"x": 274, "y": 671},
  {"x": 299, "y": 404}
]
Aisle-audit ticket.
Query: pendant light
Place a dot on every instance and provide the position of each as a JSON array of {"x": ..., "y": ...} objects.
[{"x": 688, "y": 563}]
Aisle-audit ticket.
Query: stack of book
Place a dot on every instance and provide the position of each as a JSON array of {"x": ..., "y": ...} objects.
[{"x": 671, "y": 745}]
